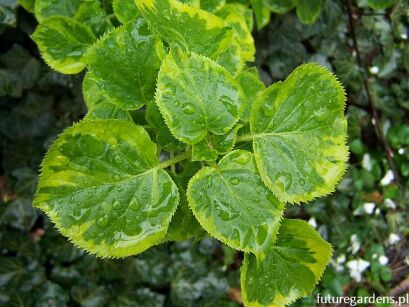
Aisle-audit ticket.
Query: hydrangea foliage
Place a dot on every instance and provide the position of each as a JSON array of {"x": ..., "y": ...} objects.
[{"x": 180, "y": 123}]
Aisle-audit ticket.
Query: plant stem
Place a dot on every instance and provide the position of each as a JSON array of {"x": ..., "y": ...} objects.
[
  {"x": 174, "y": 160},
  {"x": 244, "y": 138}
]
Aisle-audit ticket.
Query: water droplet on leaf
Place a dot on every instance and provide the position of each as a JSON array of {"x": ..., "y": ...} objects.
[
  {"x": 234, "y": 181},
  {"x": 189, "y": 108},
  {"x": 102, "y": 221}
]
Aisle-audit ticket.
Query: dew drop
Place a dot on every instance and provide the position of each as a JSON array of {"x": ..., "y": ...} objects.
[
  {"x": 134, "y": 205},
  {"x": 243, "y": 159},
  {"x": 285, "y": 179},
  {"x": 234, "y": 181},
  {"x": 102, "y": 221},
  {"x": 116, "y": 177},
  {"x": 188, "y": 108},
  {"x": 116, "y": 205},
  {"x": 256, "y": 200},
  {"x": 268, "y": 110},
  {"x": 118, "y": 159},
  {"x": 301, "y": 182}
]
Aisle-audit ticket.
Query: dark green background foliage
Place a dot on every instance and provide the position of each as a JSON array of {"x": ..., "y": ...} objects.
[{"x": 39, "y": 267}]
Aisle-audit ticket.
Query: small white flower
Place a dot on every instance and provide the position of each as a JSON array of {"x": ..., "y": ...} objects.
[
  {"x": 356, "y": 267},
  {"x": 341, "y": 259},
  {"x": 313, "y": 222},
  {"x": 401, "y": 151},
  {"x": 369, "y": 207},
  {"x": 355, "y": 244},
  {"x": 389, "y": 203},
  {"x": 366, "y": 162},
  {"x": 388, "y": 178},
  {"x": 383, "y": 260},
  {"x": 393, "y": 238},
  {"x": 374, "y": 70},
  {"x": 404, "y": 36}
]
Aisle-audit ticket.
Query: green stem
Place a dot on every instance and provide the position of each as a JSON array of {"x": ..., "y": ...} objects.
[
  {"x": 244, "y": 138},
  {"x": 174, "y": 160}
]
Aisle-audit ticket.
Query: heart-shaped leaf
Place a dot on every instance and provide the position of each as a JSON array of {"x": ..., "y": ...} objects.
[
  {"x": 231, "y": 202},
  {"x": 101, "y": 186},
  {"x": 299, "y": 134},
  {"x": 125, "y": 64},
  {"x": 290, "y": 270},
  {"x": 196, "y": 95}
]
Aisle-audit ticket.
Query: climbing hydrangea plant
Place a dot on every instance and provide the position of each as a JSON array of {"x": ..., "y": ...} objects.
[{"x": 182, "y": 138}]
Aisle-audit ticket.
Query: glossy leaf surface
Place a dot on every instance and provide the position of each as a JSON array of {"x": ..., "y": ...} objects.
[
  {"x": 252, "y": 88},
  {"x": 194, "y": 89},
  {"x": 280, "y": 6},
  {"x": 63, "y": 43},
  {"x": 94, "y": 16},
  {"x": 212, "y": 146},
  {"x": 44, "y": 9},
  {"x": 125, "y": 10},
  {"x": 231, "y": 203},
  {"x": 299, "y": 133},
  {"x": 291, "y": 269},
  {"x": 101, "y": 186},
  {"x": 125, "y": 64},
  {"x": 191, "y": 28}
]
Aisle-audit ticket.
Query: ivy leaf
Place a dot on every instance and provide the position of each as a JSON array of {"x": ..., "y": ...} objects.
[
  {"x": 212, "y": 146},
  {"x": 231, "y": 203},
  {"x": 299, "y": 132},
  {"x": 196, "y": 90},
  {"x": 290, "y": 270},
  {"x": 234, "y": 14},
  {"x": 125, "y": 64},
  {"x": 44, "y": 9},
  {"x": 309, "y": 10},
  {"x": 125, "y": 10},
  {"x": 101, "y": 186},
  {"x": 94, "y": 16},
  {"x": 252, "y": 88},
  {"x": 63, "y": 43},
  {"x": 191, "y": 28}
]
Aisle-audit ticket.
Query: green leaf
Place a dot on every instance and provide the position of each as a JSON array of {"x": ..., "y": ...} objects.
[
  {"x": 309, "y": 10},
  {"x": 101, "y": 186},
  {"x": 290, "y": 270},
  {"x": 194, "y": 89},
  {"x": 44, "y": 9},
  {"x": 191, "y": 28},
  {"x": 27, "y": 4},
  {"x": 212, "y": 5},
  {"x": 167, "y": 141},
  {"x": 136, "y": 56},
  {"x": 381, "y": 4},
  {"x": 252, "y": 88},
  {"x": 234, "y": 14},
  {"x": 63, "y": 43},
  {"x": 125, "y": 10},
  {"x": 94, "y": 16},
  {"x": 106, "y": 110},
  {"x": 212, "y": 146},
  {"x": 299, "y": 133},
  {"x": 232, "y": 58},
  {"x": 280, "y": 6},
  {"x": 231, "y": 203},
  {"x": 90, "y": 91},
  {"x": 261, "y": 12}
]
